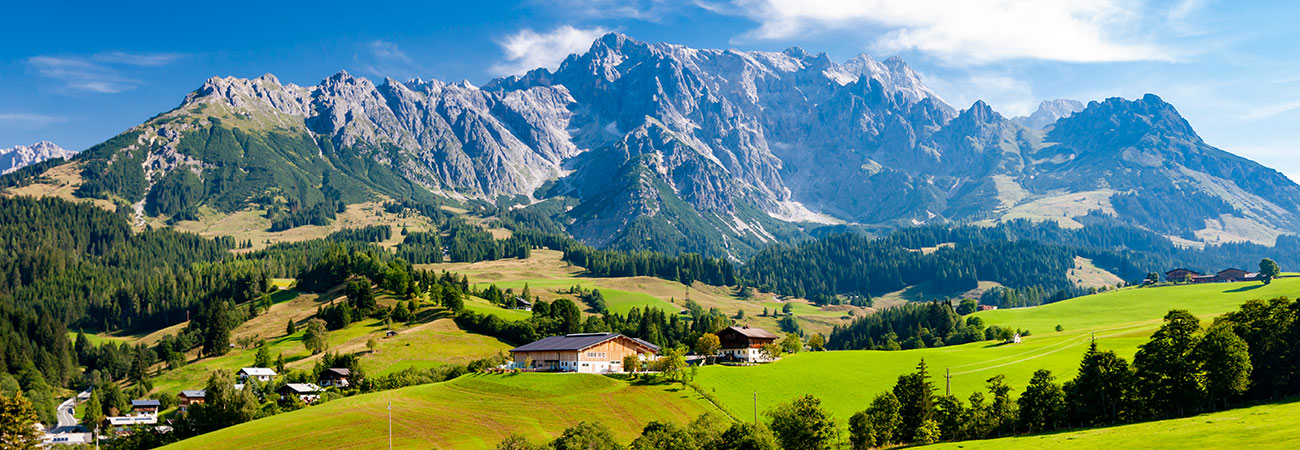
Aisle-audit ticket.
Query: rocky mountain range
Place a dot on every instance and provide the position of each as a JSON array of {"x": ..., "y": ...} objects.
[
  {"x": 1048, "y": 112},
  {"x": 20, "y": 156},
  {"x": 665, "y": 147}
]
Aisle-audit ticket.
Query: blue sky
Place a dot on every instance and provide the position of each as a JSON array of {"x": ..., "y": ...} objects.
[{"x": 77, "y": 73}]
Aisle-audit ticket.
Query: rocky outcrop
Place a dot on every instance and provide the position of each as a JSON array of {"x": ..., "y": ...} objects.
[{"x": 20, "y": 156}]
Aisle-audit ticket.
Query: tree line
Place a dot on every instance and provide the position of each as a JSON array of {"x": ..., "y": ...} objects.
[{"x": 915, "y": 325}]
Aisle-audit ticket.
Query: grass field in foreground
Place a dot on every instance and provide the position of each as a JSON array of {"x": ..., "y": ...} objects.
[
  {"x": 471, "y": 412},
  {"x": 1258, "y": 427},
  {"x": 846, "y": 381}
]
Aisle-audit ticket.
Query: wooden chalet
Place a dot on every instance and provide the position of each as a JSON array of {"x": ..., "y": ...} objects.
[
  {"x": 335, "y": 377},
  {"x": 744, "y": 343},
  {"x": 582, "y": 352}
]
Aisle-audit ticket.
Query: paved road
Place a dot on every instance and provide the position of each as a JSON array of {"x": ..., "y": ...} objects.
[{"x": 68, "y": 431}]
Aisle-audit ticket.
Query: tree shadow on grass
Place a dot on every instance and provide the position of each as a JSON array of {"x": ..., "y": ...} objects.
[{"x": 1247, "y": 288}]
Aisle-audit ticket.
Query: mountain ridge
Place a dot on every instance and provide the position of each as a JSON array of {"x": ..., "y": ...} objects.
[{"x": 670, "y": 148}]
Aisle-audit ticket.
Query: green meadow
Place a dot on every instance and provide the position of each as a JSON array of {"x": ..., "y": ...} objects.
[
  {"x": 471, "y": 412},
  {"x": 1259, "y": 427},
  {"x": 846, "y": 381}
]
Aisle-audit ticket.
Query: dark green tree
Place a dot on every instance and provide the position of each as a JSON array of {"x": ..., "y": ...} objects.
[
  {"x": 1101, "y": 392},
  {"x": 1224, "y": 361},
  {"x": 586, "y": 436},
  {"x": 915, "y": 393},
  {"x": 1167, "y": 374},
  {"x": 1042, "y": 406},
  {"x": 664, "y": 436},
  {"x": 803, "y": 425},
  {"x": 1268, "y": 270}
]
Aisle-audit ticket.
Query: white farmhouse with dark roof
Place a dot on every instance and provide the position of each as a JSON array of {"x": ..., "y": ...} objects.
[
  {"x": 257, "y": 373},
  {"x": 583, "y": 352}
]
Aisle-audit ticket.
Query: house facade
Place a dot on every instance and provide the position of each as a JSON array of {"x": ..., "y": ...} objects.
[
  {"x": 189, "y": 398},
  {"x": 335, "y": 377},
  {"x": 744, "y": 344},
  {"x": 307, "y": 392},
  {"x": 145, "y": 407},
  {"x": 1180, "y": 275},
  {"x": 1231, "y": 275},
  {"x": 582, "y": 352},
  {"x": 257, "y": 373}
]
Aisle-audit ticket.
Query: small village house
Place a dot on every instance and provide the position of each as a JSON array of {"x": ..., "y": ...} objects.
[
  {"x": 145, "y": 407},
  {"x": 1180, "y": 275},
  {"x": 582, "y": 352},
  {"x": 1230, "y": 275},
  {"x": 262, "y": 374},
  {"x": 307, "y": 392},
  {"x": 334, "y": 377},
  {"x": 744, "y": 343},
  {"x": 188, "y": 398},
  {"x": 522, "y": 304}
]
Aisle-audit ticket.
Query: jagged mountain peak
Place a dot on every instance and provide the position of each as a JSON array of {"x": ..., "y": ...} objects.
[
  {"x": 1048, "y": 112},
  {"x": 20, "y": 156}
]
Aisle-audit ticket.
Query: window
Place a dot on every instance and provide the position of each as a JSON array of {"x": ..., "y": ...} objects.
[{"x": 596, "y": 355}]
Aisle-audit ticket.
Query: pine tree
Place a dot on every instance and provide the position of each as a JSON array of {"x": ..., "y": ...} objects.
[
  {"x": 293, "y": 327},
  {"x": 915, "y": 395},
  {"x": 93, "y": 412},
  {"x": 18, "y": 423},
  {"x": 1167, "y": 374}
]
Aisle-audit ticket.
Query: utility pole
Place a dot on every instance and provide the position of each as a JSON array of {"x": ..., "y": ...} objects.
[
  {"x": 755, "y": 408},
  {"x": 390, "y": 425},
  {"x": 948, "y": 377}
]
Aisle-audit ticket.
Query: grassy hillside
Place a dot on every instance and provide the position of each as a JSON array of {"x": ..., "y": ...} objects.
[
  {"x": 846, "y": 381},
  {"x": 433, "y": 339},
  {"x": 1259, "y": 427},
  {"x": 471, "y": 412},
  {"x": 546, "y": 274}
]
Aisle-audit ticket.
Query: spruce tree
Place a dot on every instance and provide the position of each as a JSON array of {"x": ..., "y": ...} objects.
[{"x": 915, "y": 393}]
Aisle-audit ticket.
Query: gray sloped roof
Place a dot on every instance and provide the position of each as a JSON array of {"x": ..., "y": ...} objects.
[
  {"x": 575, "y": 342},
  {"x": 755, "y": 333},
  {"x": 194, "y": 394},
  {"x": 145, "y": 403}
]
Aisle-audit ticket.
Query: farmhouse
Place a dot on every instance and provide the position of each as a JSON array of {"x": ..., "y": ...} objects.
[
  {"x": 307, "y": 392},
  {"x": 1231, "y": 275},
  {"x": 1180, "y": 275},
  {"x": 1234, "y": 275},
  {"x": 257, "y": 373},
  {"x": 187, "y": 398},
  {"x": 744, "y": 343},
  {"x": 335, "y": 377},
  {"x": 145, "y": 407},
  {"x": 522, "y": 304},
  {"x": 582, "y": 352}
]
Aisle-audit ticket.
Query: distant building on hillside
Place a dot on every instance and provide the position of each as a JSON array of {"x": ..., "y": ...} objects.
[
  {"x": 1234, "y": 275},
  {"x": 522, "y": 304},
  {"x": 335, "y": 377},
  {"x": 1180, "y": 275},
  {"x": 145, "y": 406},
  {"x": 257, "y": 373},
  {"x": 582, "y": 352},
  {"x": 744, "y": 343},
  {"x": 1231, "y": 275},
  {"x": 307, "y": 392},
  {"x": 188, "y": 398}
]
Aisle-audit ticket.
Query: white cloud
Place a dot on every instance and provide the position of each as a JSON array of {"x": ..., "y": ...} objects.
[
  {"x": 34, "y": 120},
  {"x": 386, "y": 59},
  {"x": 1266, "y": 111},
  {"x": 964, "y": 32},
  {"x": 99, "y": 72},
  {"x": 528, "y": 49},
  {"x": 1007, "y": 95}
]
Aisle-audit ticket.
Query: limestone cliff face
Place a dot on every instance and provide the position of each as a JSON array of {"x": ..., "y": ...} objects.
[{"x": 722, "y": 151}]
